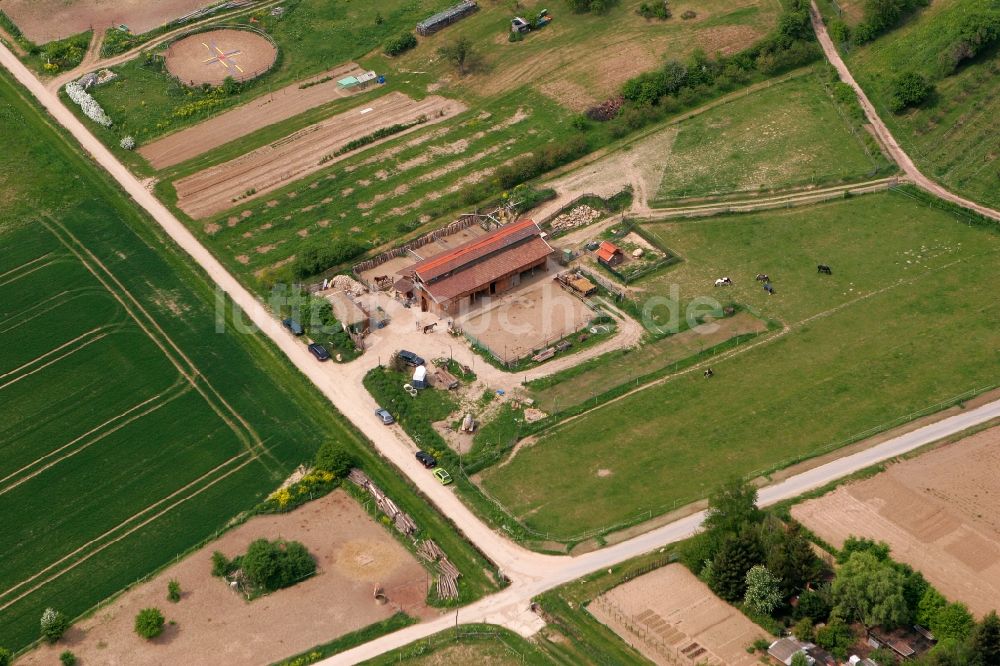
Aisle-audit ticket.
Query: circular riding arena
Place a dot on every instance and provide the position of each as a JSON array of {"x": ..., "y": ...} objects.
[{"x": 210, "y": 57}]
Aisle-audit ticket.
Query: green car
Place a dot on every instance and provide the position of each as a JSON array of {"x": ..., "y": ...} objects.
[{"x": 443, "y": 476}]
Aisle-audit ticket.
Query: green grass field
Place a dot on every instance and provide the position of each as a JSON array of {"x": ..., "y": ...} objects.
[
  {"x": 791, "y": 134},
  {"x": 954, "y": 137},
  {"x": 131, "y": 429},
  {"x": 905, "y": 321}
]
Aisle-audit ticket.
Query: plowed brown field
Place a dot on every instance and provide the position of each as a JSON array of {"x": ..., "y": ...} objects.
[
  {"x": 263, "y": 170},
  {"x": 940, "y": 513},
  {"x": 44, "y": 20},
  {"x": 213, "y": 624},
  {"x": 671, "y": 617},
  {"x": 265, "y": 110}
]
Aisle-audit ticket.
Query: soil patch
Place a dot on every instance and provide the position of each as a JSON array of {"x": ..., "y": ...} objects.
[
  {"x": 248, "y": 118},
  {"x": 42, "y": 21},
  {"x": 264, "y": 170},
  {"x": 211, "y": 57},
  {"x": 352, "y": 553},
  {"x": 940, "y": 513},
  {"x": 668, "y": 610}
]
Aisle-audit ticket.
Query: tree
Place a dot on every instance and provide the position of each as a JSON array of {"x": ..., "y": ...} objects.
[
  {"x": 53, "y": 624},
  {"x": 731, "y": 507},
  {"x": 789, "y": 556},
  {"x": 272, "y": 565},
  {"x": 880, "y": 550},
  {"x": 149, "y": 623},
  {"x": 763, "y": 590},
  {"x": 230, "y": 86},
  {"x": 173, "y": 591},
  {"x": 815, "y": 605},
  {"x": 907, "y": 90},
  {"x": 799, "y": 659},
  {"x": 333, "y": 457},
  {"x": 836, "y": 637},
  {"x": 6, "y": 657},
  {"x": 953, "y": 621},
  {"x": 460, "y": 53},
  {"x": 870, "y": 591},
  {"x": 804, "y": 631},
  {"x": 67, "y": 658},
  {"x": 984, "y": 644},
  {"x": 930, "y": 603},
  {"x": 730, "y": 565}
]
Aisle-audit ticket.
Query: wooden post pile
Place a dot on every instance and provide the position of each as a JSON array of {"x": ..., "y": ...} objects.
[
  {"x": 448, "y": 574},
  {"x": 401, "y": 520}
]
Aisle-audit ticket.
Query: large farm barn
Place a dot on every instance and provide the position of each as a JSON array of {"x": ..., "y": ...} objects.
[{"x": 481, "y": 267}]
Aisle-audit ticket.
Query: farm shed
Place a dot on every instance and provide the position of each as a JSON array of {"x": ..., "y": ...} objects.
[
  {"x": 609, "y": 254},
  {"x": 784, "y": 649},
  {"x": 447, "y": 17},
  {"x": 348, "y": 313},
  {"x": 481, "y": 267},
  {"x": 403, "y": 287}
]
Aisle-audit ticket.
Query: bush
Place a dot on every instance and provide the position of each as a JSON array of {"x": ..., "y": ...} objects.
[
  {"x": 404, "y": 42},
  {"x": 659, "y": 10},
  {"x": 127, "y": 143},
  {"x": 953, "y": 621},
  {"x": 836, "y": 637},
  {"x": 173, "y": 591},
  {"x": 272, "y": 565},
  {"x": 909, "y": 89},
  {"x": 333, "y": 457},
  {"x": 814, "y": 605},
  {"x": 67, "y": 658},
  {"x": 320, "y": 256},
  {"x": 6, "y": 657},
  {"x": 590, "y": 6},
  {"x": 149, "y": 623},
  {"x": 53, "y": 625},
  {"x": 975, "y": 33},
  {"x": 220, "y": 564},
  {"x": 547, "y": 158},
  {"x": 803, "y": 630},
  {"x": 883, "y": 15}
]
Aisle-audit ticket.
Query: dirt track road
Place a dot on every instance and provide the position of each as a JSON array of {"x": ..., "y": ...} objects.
[
  {"x": 531, "y": 573},
  {"x": 306, "y": 151},
  {"x": 256, "y": 114},
  {"x": 884, "y": 135}
]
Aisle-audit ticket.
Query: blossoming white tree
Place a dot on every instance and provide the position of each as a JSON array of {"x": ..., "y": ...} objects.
[{"x": 85, "y": 101}]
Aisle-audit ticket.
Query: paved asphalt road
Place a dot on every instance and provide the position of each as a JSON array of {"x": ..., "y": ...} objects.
[{"x": 530, "y": 572}]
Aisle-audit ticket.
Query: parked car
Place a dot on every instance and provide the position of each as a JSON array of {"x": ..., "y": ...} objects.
[
  {"x": 293, "y": 326},
  {"x": 385, "y": 416},
  {"x": 319, "y": 351},
  {"x": 443, "y": 476},
  {"x": 410, "y": 358},
  {"x": 426, "y": 459}
]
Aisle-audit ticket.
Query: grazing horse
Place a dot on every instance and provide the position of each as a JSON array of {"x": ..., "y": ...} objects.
[
  {"x": 762, "y": 277},
  {"x": 723, "y": 282},
  {"x": 823, "y": 268},
  {"x": 769, "y": 289},
  {"x": 709, "y": 373}
]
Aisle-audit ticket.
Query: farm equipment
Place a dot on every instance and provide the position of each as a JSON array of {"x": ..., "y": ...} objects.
[{"x": 522, "y": 26}]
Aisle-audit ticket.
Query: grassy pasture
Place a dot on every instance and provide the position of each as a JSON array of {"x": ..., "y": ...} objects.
[
  {"x": 581, "y": 59},
  {"x": 905, "y": 321},
  {"x": 786, "y": 135},
  {"x": 954, "y": 137},
  {"x": 95, "y": 496}
]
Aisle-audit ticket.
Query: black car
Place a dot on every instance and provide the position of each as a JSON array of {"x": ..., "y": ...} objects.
[
  {"x": 319, "y": 351},
  {"x": 410, "y": 358},
  {"x": 426, "y": 459}
]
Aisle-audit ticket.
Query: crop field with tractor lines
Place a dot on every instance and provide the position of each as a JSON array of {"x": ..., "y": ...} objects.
[
  {"x": 119, "y": 399},
  {"x": 901, "y": 325}
]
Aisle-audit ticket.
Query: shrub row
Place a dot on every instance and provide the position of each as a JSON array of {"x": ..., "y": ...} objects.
[{"x": 400, "y": 44}]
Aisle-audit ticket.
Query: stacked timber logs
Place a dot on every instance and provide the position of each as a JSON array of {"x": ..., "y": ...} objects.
[{"x": 401, "y": 520}]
